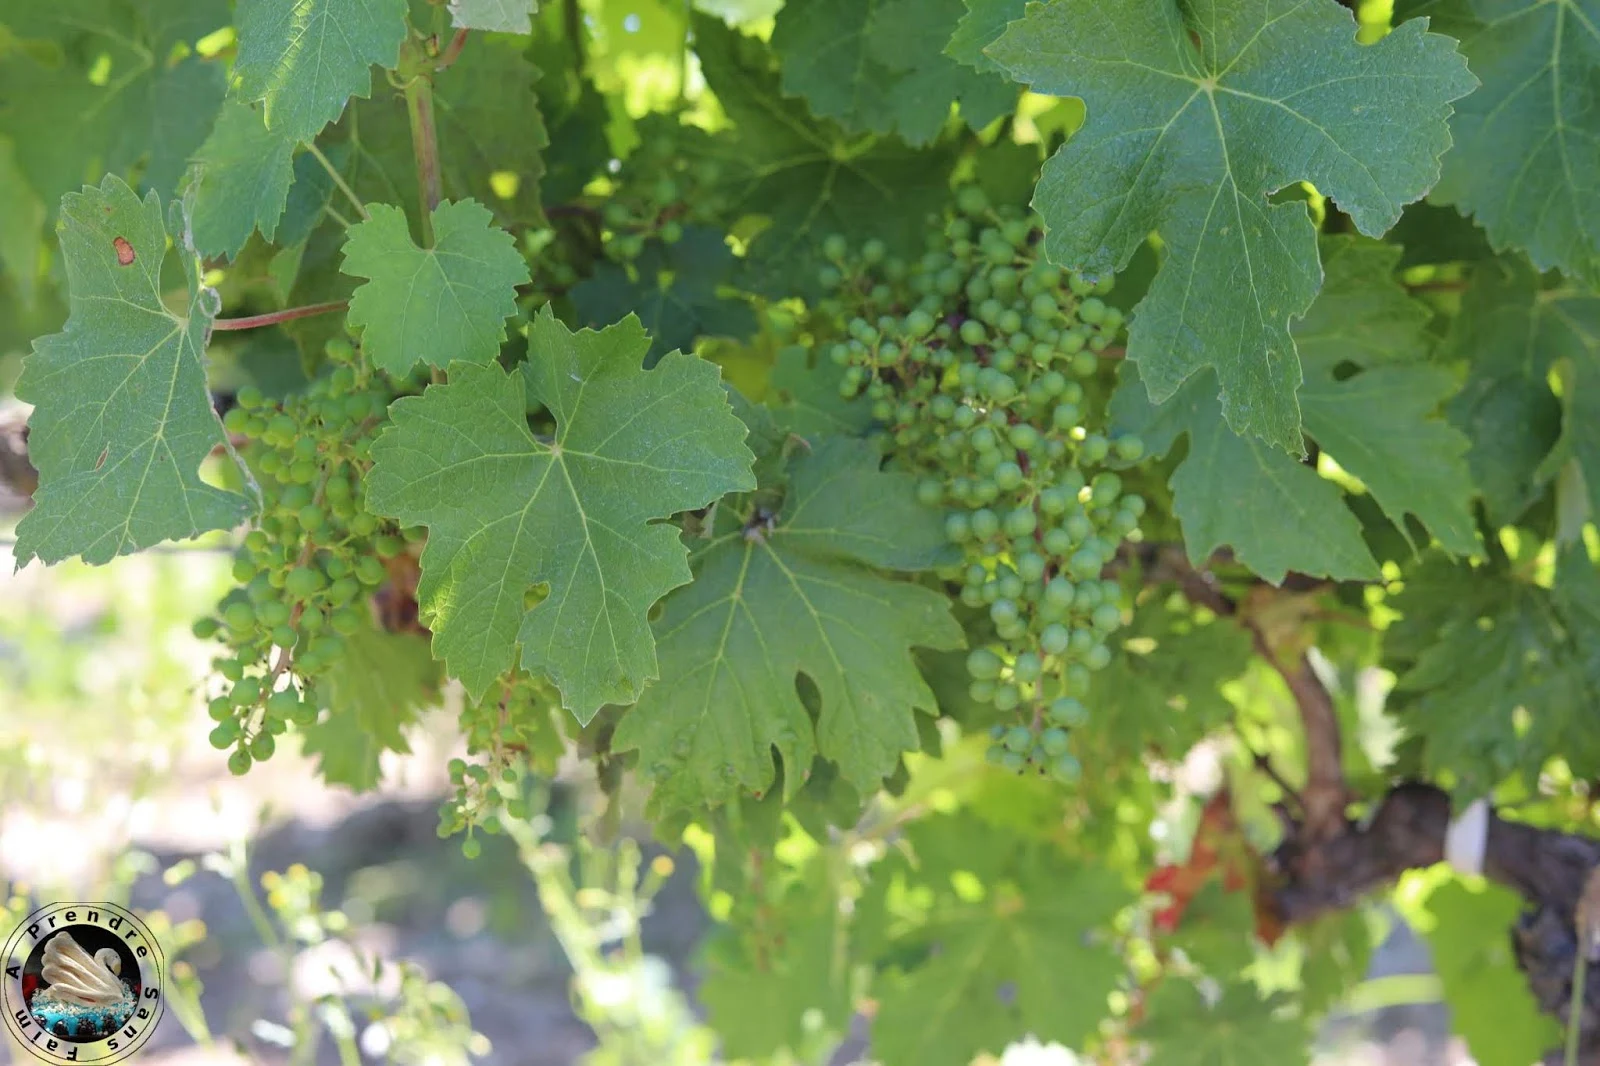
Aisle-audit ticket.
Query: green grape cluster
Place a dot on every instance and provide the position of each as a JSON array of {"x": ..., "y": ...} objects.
[
  {"x": 504, "y": 732},
  {"x": 976, "y": 359},
  {"x": 306, "y": 573}
]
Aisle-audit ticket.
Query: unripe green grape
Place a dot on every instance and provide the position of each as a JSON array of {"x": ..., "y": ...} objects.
[
  {"x": 1066, "y": 769},
  {"x": 388, "y": 546},
  {"x": 370, "y": 572},
  {"x": 224, "y": 734},
  {"x": 284, "y": 636},
  {"x": 1098, "y": 657},
  {"x": 245, "y": 691},
  {"x": 983, "y": 664},
  {"x": 995, "y": 754},
  {"x": 957, "y": 527},
  {"x": 1129, "y": 447},
  {"x": 1079, "y": 527},
  {"x": 1054, "y": 740},
  {"x": 1024, "y": 437},
  {"x": 283, "y": 703},
  {"x": 1092, "y": 310},
  {"x": 206, "y": 628},
  {"x": 971, "y": 596},
  {"x": 230, "y": 669},
  {"x": 1107, "y": 486},
  {"x": 346, "y": 620},
  {"x": 989, "y": 591},
  {"x": 981, "y": 691},
  {"x": 220, "y": 709},
  {"x": 243, "y": 569},
  {"x": 1090, "y": 595},
  {"x": 1064, "y": 417},
  {"x": 1134, "y": 505},
  {"x": 262, "y": 745},
  {"x": 239, "y": 616},
  {"x": 1068, "y": 712},
  {"x": 1106, "y": 617},
  {"x": 970, "y": 200},
  {"x": 1008, "y": 475},
  {"x": 1057, "y": 542},
  {"x": 1060, "y": 592},
  {"x": 273, "y": 613},
  {"x": 985, "y": 523},
  {"x": 1006, "y": 698},
  {"x": 1085, "y": 364},
  {"x": 1027, "y": 667},
  {"x": 1031, "y": 567},
  {"x": 303, "y": 582},
  {"x": 1013, "y": 761},
  {"x": 1021, "y": 522},
  {"x": 1054, "y": 638},
  {"x": 1010, "y": 586},
  {"x": 1003, "y": 611}
]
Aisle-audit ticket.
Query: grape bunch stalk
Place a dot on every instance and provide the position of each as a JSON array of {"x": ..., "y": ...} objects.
[
  {"x": 975, "y": 358},
  {"x": 306, "y": 574}
]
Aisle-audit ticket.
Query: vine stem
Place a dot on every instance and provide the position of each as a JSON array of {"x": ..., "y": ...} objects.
[
  {"x": 338, "y": 180},
  {"x": 288, "y": 314},
  {"x": 425, "y": 146},
  {"x": 452, "y": 51}
]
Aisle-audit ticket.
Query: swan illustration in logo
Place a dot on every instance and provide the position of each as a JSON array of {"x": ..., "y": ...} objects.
[{"x": 81, "y": 989}]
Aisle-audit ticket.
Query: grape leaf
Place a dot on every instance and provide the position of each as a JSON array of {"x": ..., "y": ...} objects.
[
  {"x": 69, "y": 123},
  {"x": 879, "y": 66},
  {"x": 122, "y": 419},
  {"x": 1163, "y": 691},
  {"x": 982, "y": 25},
  {"x": 806, "y": 176},
  {"x": 1513, "y": 332},
  {"x": 673, "y": 290},
  {"x": 797, "y": 596},
  {"x": 1475, "y": 647},
  {"x": 805, "y": 399},
  {"x": 1242, "y": 1029},
  {"x": 1380, "y": 423},
  {"x": 241, "y": 183},
  {"x": 1018, "y": 960},
  {"x": 1490, "y": 1005},
  {"x": 1277, "y": 514},
  {"x": 1526, "y": 151},
  {"x": 1195, "y": 114},
  {"x": 509, "y": 514},
  {"x": 758, "y": 994},
  {"x": 305, "y": 58},
  {"x": 371, "y": 692},
  {"x": 499, "y": 16},
  {"x": 439, "y": 304}
]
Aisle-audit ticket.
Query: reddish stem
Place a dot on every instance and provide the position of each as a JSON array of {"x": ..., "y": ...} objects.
[{"x": 288, "y": 314}]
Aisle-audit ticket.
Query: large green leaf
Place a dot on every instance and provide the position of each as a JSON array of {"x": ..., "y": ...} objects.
[
  {"x": 511, "y": 516},
  {"x": 1526, "y": 162},
  {"x": 982, "y": 25},
  {"x": 437, "y": 304},
  {"x": 498, "y": 16},
  {"x": 305, "y": 58},
  {"x": 673, "y": 290},
  {"x": 1371, "y": 401},
  {"x": 797, "y": 593},
  {"x": 242, "y": 178},
  {"x": 1496, "y": 672},
  {"x": 1512, "y": 332},
  {"x": 122, "y": 418},
  {"x": 807, "y": 177},
  {"x": 879, "y": 66},
  {"x": 1019, "y": 959},
  {"x": 1240, "y": 1029},
  {"x": 374, "y": 689},
  {"x": 1275, "y": 513},
  {"x": 1196, "y": 114},
  {"x": 98, "y": 86}
]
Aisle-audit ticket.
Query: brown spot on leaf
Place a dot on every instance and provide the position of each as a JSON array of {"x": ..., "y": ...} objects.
[
  {"x": 98, "y": 463},
  {"x": 125, "y": 254}
]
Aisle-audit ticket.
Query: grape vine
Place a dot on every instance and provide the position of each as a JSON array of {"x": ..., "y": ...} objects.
[{"x": 994, "y": 480}]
